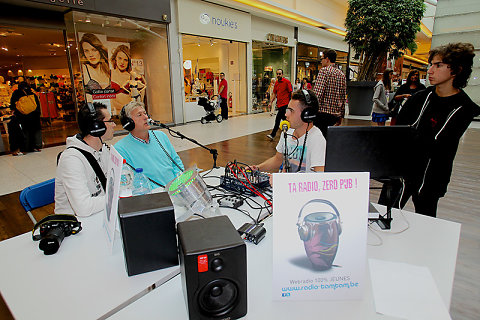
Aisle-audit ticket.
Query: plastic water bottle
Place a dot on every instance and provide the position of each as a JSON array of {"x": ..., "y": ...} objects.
[
  {"x": 141, "y": 185},
  {"x": 126, "y": 180}
]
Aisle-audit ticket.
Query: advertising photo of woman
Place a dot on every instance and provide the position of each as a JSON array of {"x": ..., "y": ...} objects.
[
  {"x": 94, "y": 56},
  {"x": 121, "y": 68}
]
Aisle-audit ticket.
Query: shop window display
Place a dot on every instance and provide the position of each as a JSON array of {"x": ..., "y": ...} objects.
[
  {"x": 203, "y": 60},
  {"x": 309, "y": 62},
  {"x": 267, "y": 58},
  {"x": 120, "y": 60}
]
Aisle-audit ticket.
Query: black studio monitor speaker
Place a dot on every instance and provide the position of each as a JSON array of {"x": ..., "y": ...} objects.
[
  {"x": 213, "y": 266},
  {"x": 149, "y": 239}
]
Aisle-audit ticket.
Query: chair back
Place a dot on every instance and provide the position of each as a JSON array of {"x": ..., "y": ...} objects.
[{"x": 38, "y": 195}]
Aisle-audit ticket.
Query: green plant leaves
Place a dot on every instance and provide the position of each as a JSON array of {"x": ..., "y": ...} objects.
[{"x": 376, "y": 28}]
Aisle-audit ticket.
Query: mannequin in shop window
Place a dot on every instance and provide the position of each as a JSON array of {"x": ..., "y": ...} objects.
[
  {"x": 4, "y": 93},
  {"x": 136, "y": 87},
  {"x": 122, "y": 66},
  {"x": 94, "y": 57}
]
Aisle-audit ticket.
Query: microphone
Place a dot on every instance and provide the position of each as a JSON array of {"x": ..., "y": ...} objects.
[
  {"x": 156, "y": 123},
  {"x": 285, "y": 125}
]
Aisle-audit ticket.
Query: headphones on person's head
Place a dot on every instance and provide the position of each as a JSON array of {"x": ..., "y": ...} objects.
[
  {"x": 127, "y": 122},
  {"x": 95, "y": 127},
  {"x": 309, "y": 113},
  {"x": 304, "y": 231}
]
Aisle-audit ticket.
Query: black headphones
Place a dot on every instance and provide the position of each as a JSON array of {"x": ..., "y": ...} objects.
[
  {"x": 127, "y": 122},
  {"x": 304, "y": 231},
  {"x": 95, "y": 127},
  {"x": 309, "y": 113}
]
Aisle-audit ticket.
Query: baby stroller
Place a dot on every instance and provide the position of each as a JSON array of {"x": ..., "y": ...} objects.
[{"x": 210, "y": 106}]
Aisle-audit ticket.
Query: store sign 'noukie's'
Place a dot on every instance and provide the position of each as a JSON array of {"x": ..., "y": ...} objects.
[
  {"x": 205, "y": 18},
  {"x": 277, "y": 38}
]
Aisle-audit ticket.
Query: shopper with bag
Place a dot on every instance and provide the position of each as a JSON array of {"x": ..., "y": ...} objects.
[{"x": 26, "y": 107}]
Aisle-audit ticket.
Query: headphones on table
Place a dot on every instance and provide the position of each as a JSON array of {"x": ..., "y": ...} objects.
[
  {"x": 95, "y": 127},
  {"x": 309, "y": 113},
  {"x": 127, "y": 122},
  {"x": 304, "y": 231}
]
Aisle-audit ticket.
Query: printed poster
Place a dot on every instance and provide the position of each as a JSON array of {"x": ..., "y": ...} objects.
[
  {"x": 112, "y": 194},
  {"x": 319, "y": 235}
]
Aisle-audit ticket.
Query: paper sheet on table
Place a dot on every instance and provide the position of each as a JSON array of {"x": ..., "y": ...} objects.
[{"x": 405, "y": 291}]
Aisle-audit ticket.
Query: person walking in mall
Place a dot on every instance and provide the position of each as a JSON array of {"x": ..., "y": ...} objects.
[
  {"x": 27, "y": 135},
  {"x": 441, "y": 114},
  {"x": 380, "y": 111},
  {"x": 306, "y": 85},
  {"x": 223, "y": 93},
  {"x": 330, "y": 88},
  {"x": 282, "y": 92},
  {"x": 412, "y": 86}
]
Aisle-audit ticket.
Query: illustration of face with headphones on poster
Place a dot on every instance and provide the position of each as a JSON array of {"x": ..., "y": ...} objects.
[
  {"x": 297, "y": 150},
  {"x": 320, "y": 231}
]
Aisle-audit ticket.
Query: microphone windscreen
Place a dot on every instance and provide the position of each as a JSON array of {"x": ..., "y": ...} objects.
[{"x": 285, "y": 123}]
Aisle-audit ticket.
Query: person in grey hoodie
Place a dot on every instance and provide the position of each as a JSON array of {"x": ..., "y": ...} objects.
[
  {"x": 78, "y": 189},
  {"x": 380, "y": 110}
]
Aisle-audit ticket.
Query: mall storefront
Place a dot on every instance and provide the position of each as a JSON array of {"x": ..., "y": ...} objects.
[
  {"x": 213, "y": 39},
  {"x": 273, "y": 47},
  {"x": 311, "y": 44},
  {"x": 71, "y": 52}
]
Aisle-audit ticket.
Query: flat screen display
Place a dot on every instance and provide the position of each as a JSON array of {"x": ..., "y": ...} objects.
[{"x": 385, "y": 152}]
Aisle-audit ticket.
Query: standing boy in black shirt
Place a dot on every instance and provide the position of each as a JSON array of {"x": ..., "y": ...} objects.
[{"x": 441, "y": 114}]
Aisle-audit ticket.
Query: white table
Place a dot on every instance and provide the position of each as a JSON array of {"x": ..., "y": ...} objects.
[
  {"x": 429, "y": 242},
  {"x": 83, "y": 280}
]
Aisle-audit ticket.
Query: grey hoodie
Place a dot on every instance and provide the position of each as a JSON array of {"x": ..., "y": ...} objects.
[{"x": 380, "y": 103}]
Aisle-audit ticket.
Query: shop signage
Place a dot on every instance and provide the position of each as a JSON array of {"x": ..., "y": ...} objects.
[
  {"x": 277, "y": 38},
  {"x": 218, "y": 21},
  {"x": 207, "y": 19},
  {"x": 84, "y": 4},
  {"x": 155, "y": 10}
]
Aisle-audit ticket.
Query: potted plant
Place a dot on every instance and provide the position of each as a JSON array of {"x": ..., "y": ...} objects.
[{"x": 375, "y": 29}]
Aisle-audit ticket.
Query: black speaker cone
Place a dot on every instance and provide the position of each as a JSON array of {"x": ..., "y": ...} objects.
[{"x": 218, "y": 297}]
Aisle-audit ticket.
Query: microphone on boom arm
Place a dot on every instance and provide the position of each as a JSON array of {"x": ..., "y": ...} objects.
[
  {"x": 156, "y": 123},
  {"x": 285, "y": 125}
]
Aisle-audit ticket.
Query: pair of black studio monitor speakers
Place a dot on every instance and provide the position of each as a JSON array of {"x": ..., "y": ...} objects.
[{"x": 212, "y": 254}]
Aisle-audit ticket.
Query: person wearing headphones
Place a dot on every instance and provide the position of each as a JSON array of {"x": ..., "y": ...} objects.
[
  {"x": 144, "y": 148},
  {"x": 79, "y": 188},
  {"x": 305, "y": 142}
]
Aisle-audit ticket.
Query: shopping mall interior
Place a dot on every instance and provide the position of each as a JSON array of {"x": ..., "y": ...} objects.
[{"x": 171, "y": 67}]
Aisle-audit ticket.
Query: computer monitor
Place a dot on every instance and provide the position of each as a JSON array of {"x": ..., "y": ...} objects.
[{"x": 384, "y": 151}]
